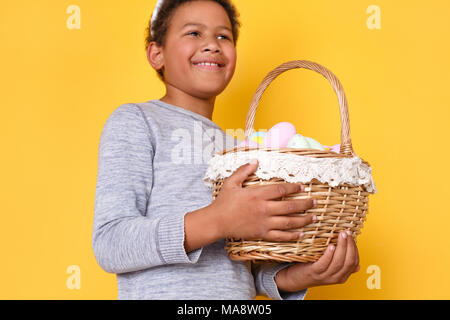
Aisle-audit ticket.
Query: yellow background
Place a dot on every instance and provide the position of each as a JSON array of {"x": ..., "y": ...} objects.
[{"x": 58, "y": 86}]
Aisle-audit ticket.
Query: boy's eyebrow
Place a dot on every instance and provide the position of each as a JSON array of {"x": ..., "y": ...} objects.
[{"x": 202, "y": 25}]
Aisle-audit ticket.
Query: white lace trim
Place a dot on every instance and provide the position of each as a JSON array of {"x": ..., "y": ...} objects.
[{"x": 293, "y": 168}]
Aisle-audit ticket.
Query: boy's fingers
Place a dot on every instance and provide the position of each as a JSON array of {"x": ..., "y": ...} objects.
[
  {"x": 356, "y": 266},
  {"x": 241, "y": 174},
  {"x": 321, "y": 265},
  {"x": 351, "y": 260},
  {"x": 278, "y": 190},
  {"x": 277, "y": 235},
  {"x": 339, "y": 256},
  {"x": 288, "y": 206},
  {"x": 289, "y": 222},
  {"x": 357, "y": 251}
]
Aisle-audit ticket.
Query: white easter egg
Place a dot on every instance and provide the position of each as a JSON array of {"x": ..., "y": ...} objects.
[
  {"x": 313, "y": 144},
  {"x": 298, "y": 142}
]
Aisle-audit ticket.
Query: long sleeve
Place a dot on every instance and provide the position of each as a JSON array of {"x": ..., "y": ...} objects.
[
  {"x": 264, "y": 274},
  {"x": 125, "y": 236}
]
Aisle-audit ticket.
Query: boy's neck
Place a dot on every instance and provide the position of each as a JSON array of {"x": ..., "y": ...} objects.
[{"x": 203, "y": 107}]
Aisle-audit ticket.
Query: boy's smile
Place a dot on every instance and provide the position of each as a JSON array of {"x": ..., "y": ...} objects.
[{"x": 208, "y": 66}]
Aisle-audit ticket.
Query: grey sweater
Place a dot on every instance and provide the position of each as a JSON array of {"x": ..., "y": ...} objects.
[{"x": 151, "y": 163}]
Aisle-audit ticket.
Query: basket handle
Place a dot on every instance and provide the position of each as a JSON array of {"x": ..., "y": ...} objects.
[{"x": 346, "y": 142}]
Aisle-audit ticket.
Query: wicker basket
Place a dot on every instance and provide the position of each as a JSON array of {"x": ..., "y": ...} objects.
[{"x": 339, "y": 208}]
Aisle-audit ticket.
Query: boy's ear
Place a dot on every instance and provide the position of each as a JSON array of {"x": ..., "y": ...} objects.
[{"x": 155, "y": 56}]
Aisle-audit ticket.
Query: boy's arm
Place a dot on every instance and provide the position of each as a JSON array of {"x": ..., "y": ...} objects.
[
  {"x": 125, "y": 237},
  {"x": 264, "y": 275},
  {"x": 201, "y": 228}
]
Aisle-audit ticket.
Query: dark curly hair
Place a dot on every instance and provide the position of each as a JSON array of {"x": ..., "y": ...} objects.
[{"x": 162, "y": 23}]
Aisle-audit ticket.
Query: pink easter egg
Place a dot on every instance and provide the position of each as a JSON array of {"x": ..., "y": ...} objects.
[
  {"x": 249, "y": 143},
  {"x": 336, "y": 148},
  {"x": 279, "y": 135}
]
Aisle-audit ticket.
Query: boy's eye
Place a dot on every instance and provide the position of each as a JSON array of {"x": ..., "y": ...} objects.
[{"x": 198, "y": 33}]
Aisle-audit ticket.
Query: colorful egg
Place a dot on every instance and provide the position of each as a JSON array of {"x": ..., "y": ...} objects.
[
  {"x": 279, "y": 135},
  {"x": 249, "y": 143},
  {"x": 257, "y": 134},
  {"x": 258, "y": 137}
]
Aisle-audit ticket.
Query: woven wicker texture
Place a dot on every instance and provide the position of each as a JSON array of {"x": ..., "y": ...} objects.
[{"x": 339, "y": 208}]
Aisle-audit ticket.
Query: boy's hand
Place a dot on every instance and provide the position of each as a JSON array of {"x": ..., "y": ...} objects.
[
  {"x": 335, "y": 266},
  {"x": 250, "y": 213}
]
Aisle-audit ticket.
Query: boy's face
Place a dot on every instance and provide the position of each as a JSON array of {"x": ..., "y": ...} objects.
[{"x": 186, "y": 45}]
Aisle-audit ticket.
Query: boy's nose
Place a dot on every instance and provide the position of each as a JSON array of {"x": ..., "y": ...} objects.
[
  {"x": 211, "y": 45},
  {"x": 212, "y": 48}
]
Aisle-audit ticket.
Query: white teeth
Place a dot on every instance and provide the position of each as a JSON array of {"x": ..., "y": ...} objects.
[{"x": 207, "y": 64}]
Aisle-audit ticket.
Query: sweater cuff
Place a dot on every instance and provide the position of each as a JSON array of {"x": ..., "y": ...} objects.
[
  {"x": 171, "y": 240},
  {"x": 270, "y": 286}
]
